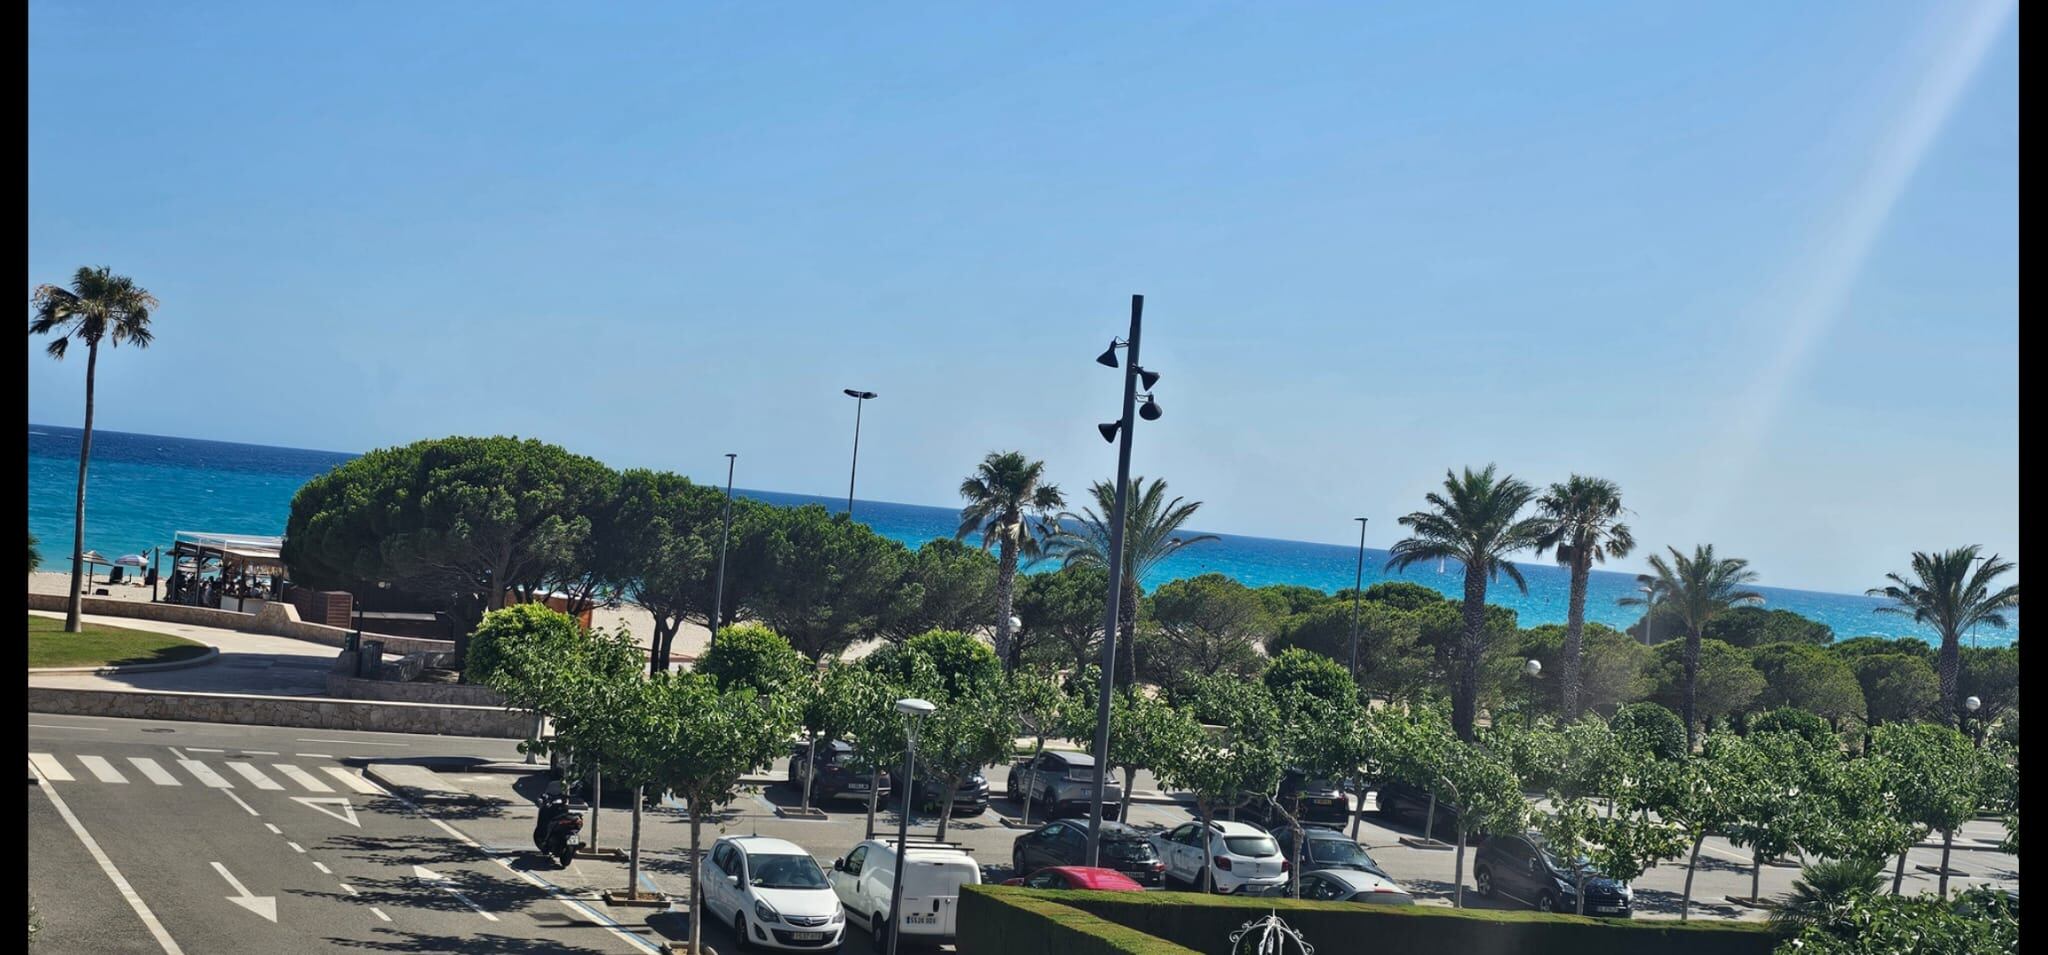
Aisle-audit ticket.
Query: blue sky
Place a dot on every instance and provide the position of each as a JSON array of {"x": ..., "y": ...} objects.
[{"x": 1756, "y": 263}]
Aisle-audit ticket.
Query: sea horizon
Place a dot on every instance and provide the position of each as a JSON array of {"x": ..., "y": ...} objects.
[{"x": 146, "y": 487}]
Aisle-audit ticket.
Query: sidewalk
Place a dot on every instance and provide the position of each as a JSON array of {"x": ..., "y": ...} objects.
[{"x": 249, "y": 663}]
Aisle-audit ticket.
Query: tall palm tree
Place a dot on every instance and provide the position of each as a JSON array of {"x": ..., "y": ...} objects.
[
  {"x": 1003, "y": 495},
  {"x": 1477, "y": 522},
  {"x": 1584, "y": 526},
  {"x": 1948, "y": 596},
  {"x": 98, "y": 307},
  {"x": 1151, "y": 523},
  {"x": 1693, "y": 591}
]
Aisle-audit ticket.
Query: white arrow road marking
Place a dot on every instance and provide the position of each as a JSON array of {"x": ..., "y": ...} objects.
[
  {"x": 347, "y": 813},
  {"x": 425, "y": 874},
  {"x": 156, "y": 928},
  {"x": 264, "y": 905}
]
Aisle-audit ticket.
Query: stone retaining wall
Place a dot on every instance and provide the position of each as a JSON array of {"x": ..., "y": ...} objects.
[
  {"x": 442, "y": 694},
  {"x": 304, "y": 712},
  {"x": 276, "y": 619}
]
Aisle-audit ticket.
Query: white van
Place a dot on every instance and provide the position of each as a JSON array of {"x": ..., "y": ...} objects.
[{"x": 933, "y": 873}]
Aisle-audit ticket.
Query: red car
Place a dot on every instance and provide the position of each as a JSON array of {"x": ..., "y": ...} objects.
[{"x": 1079, "y": 877}]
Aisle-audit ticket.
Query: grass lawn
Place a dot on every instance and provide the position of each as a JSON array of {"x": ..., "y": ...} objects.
[{"x": 50, "y": 646}]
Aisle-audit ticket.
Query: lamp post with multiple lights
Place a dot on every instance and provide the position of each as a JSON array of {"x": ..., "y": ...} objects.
[
  {"x": 1121, "y": 428},
  {"x": 724, "y": 536},
  {"x": 914, "y": 711},
  {"x": 860, "y": 400},
  {"x": 1357, "y": 586}
]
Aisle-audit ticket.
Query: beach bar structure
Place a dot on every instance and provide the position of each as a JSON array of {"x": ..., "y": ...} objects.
[{"x": 247, "y": 569}]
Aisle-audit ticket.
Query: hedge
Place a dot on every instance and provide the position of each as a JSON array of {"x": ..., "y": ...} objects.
[
  {"x": 1204, "y": 923},
  {"x": 997, "y": 920}
]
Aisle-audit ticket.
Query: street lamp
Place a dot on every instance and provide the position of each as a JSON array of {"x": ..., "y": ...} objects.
[
  {"x": 1357, "y": 586},
  {"x": 914, "y": 710},
  {"x": 860, "y": 400},
  {"x": 1112, "y": 431},
  {"x": 1532, "y": 668},
  {"x": 725, "y": 535}
]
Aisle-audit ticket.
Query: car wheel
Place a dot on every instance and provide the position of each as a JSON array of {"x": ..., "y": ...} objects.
[
  {"x": 1202, "y": 881},
  {"x": 1546, "y": 903},
  {"x": 739, "y": 932},
  {"x": 879, "y": 928},
  {"x": 1484, "y": 879}
]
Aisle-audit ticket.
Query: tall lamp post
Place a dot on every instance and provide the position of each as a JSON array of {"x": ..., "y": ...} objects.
[
  {"x": 1133, "y": 374},
  {"x": 860, "y": 400},
  {"x": 914, "y": 711},
  {"x": 724, "y": 536},
  {"x": 1357, "y": 586},
  {"x": 1973, "y": 704}
]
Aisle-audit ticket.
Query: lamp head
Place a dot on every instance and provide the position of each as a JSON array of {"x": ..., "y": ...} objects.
[
  {"x": 863, "y": 395},
  {"x": 1148, "y": 378},
  {"x": 1016, "y": 623},
  {"x": 1973, "y": 704},
  {"x": 1108, "y": 356},
  {"x": 914, "y": 707},
  {"x": 1109, "y": 430},
  {"x": 1533, "y": 667},
  {"x": 1150, "y": 409}
]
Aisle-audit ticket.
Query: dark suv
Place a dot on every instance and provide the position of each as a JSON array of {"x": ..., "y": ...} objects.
[
  {"x": 1313, "y": 801},
  {"x": 970, "y": 799},
  {"x": 1520, "y": 868},
  {"x": 1065, "y": 842},
  {"x": 1399, "y": 800},
  {"x": 836, "y": 777}
]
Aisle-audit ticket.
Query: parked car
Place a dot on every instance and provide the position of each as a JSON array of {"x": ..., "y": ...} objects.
[
  {"x": 1310, "y": 800},
  {"x": 1352, "y": 885},
  {"x": 1078, "y": 877},
  {"x": 1331, "y": 853},
  {"x": 970, "y": 799},
  {"x": 1064, "y": 842},
  {"x": 1246, "y": 857},
  {"x": 773, "y": 895},
  {"x": 1409, "y": 803},
  {"x": 836, "y": 777},
  {"x": 1520, "y": 868},
  {"x": 933, "y": 873},
  {"x": 1060, "y": 783}
]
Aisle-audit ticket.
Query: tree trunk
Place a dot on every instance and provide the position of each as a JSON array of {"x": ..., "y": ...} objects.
[
  {"x": 1127, "y": 627},
  {"x": 1123, "y": 809},
  {"x": 874, "y": 796},
  {"x": 810, "y": 772},
  {"x": 633, "y": 851},
  {"x": 946, "y": 812},
  {"x": 1429, "y": 821},
  {"x": 1458, "y": 876},
  {"x": 596, "y": 802},
  {"x": 1208, "y": 858},
  {"x": 1946, "y": 663},
  {"x": 696, "y": 882},
  {"x": 1691, "y": 863},
  {"x": 72, "y": 624},
  {"x": 1948, "y": 839},
  {"x": 1692, "y": 680},
  {"x": 1465, "y": 694},
  {"x": 1899, "y": 873},
  {"x": 1579, "y": 888},
  {"x": 1575, "y": 631},
  {"x": 1006, "y": 582},
  {"x": 1358, "y": 812},
  {"x": 1294, "y": 871},
  {"x": 1756, "y": 875}
]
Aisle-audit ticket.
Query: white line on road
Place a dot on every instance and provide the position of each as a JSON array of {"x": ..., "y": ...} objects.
[
  {"x": 256, "y": 776},
  {"x": 295, "y": 846},
  {"x": 355, "y": 742},
  {"x": 314, "y": 756},
  {"x": 175, "y": 752},
  {"x": 425, "y": 874},
  {"x": 350, "y": 889},
  {"x": 379, "y": 913},
  {"x": 56, "y": 726},
  {"x": 258, "y": 752},
  {"x": 103, "y": 769},
  {"x": 263, "y": 905},
  {"x": 205, "y": 774},
  {"x": 238, "y": 801},
  {"x": 274, "y": 830},
  {"x": 156, "y": 773},
  {"x": 303, "y": 778},
  {"x": 202, "y": 749},
  {"x": 49, "y": 768},
  {"x": 156, "y": 928},
  {"x": 323, "y": 869},
  {"x": 352, "y": 781}
]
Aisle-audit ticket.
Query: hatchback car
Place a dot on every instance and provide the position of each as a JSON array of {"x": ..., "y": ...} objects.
[
  {"x": 1244, "y": 859},
  {"x": 1078, "y": 877},
  {"x": 773, "y": 894},
  {"x": 1064, "y": 842},
  {"x": 969, "y": 799},
  {"x": 1521, "y": 868},
  {"x": 1310, "y": 800}
]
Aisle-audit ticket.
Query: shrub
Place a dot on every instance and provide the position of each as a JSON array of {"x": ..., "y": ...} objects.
[
  {"x": 752, "y": 655},
  {"x": 1791, "y": 719},
  {"x": 1647, "y": 726}
]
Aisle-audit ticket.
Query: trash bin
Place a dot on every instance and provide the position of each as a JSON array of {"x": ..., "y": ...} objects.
[{"x": 370, "y": 662}]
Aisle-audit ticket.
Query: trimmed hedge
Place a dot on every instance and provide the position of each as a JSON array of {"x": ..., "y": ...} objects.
[
  {"x": 1204, "y": 923},
  {"x": 1000, "y": 920}
]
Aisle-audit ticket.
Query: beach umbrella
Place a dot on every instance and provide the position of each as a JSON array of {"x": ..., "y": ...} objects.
[
  {"x": 93, "y": 557},
  {"x": 132, "y": 560}
]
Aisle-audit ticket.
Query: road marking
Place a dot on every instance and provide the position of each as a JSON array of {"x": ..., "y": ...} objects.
[
  {"x": 350, "y": 889},
  {"x": 256, "y": 776},
  {"x": 355, "y": 742},
  {"x": 238, "y": 801},
  {"x": 422, "y": 872},
  {"x": 274, "y": 830},
  {"x": 156, "y": 773},
  {"x": 303, "y": 778},
  {"x": 205, "y": 774},
  {"x": 103, "y": 769},
  {"x": 264, "y": 905},
  {"x": 202, "y": 749},
  {"x": 258, "y": 752},
  {"x": 156, "y": 928},
  {"x": 323, "y": 869},
  {"x": 59, "y": 726},
  {"x": 175, "y": 752},
  {"x": 295, "y": 847},
  {"x": 347, "y": 813},
  {"x": 49, "y": 768},
  {"x": 379, "y": 913},
  {"x": 352, "y": 781},
  {"x": 314, "y": 756}
]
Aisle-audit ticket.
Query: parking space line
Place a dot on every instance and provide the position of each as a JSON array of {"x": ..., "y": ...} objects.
[{"x": 156, "y": 928}]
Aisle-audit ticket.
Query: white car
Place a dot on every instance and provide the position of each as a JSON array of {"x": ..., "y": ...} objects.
[
  {"x": 933, "y": 873},
  {"x": 1247, "y": 860},
  {"x": 773, "y": 894}
]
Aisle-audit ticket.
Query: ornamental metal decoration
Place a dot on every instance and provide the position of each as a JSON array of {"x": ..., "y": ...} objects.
[{"x": 1268, "y": 935}]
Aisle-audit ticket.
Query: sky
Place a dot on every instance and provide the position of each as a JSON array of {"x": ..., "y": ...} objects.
[{"x": 1756, "y": 263}]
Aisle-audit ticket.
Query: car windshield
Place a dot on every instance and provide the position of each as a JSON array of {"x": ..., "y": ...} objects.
[
  {"x": 1340, "y": 854},
  {"x": 1252, "y": 845},
  {"x": 786, "y": 872},
  {"x": 1127, "y": 850}
]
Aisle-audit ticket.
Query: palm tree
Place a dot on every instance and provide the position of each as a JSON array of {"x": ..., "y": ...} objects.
[
  {"x": 1477, "y": 522},
  {"x": 1824, "y": 888},
  {"x": 1693, "y": 592},
  {"x": 1584, "y": 526},
  {"x": 1003, "y": 495},
  {"x": 98, "y": 307},
  {"x": 1151, "y": 522},
  {"x": 1951, "y": 598}
]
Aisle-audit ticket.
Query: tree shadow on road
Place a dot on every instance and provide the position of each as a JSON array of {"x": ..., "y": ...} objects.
[{"x": 404, "y": 941}]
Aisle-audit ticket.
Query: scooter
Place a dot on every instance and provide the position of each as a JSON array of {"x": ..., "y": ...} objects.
[{"x": 557, "y": 833}]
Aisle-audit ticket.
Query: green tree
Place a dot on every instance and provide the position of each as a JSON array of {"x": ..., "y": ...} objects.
[
  {"x": 1896, "y": 687},
  {"x": 1488, "y": 796},
  {"x": 1952, "y": 593},
  {"x": 1723, "y": 682},
  {"x": 1152, "y": 533},
  {"x": 1613, "y": 667},
  {"x": 1694, "y": 591},
  {"x": 1404, "y": 595},
  {"x": 1992, "y": 675},
  {"x": 1801, "y": 723},
  {"x": 1320, "y": 735},
  {"x": 1776, "y": 800},
  {"x": 1582, "y": 523},
  {"x": 1390, "y": 658},
  {"x": 1007, "y": 504},
  {"x": 1212, "y": 626},
  {"x": 752, "y": 656},
  {"x": 1040, "y": 709},
  {"x": 1981, "y": 921},
  {"x": 1855, "y": 647},
  {"x": 827, "y": 582},
  {"x": 859, "y": 704},
  {"x": 1285, "y": 600},
  {"x": 972, "y": 727},
  {"x": 958, "y": 661},
  {"x": 1144, "y": 732},
  {"x": 1064, "y": 606},
  {"x": 1477, "y": 522},
  {"x": 1314, "y": 674},
  {"x": 1939, "y": 781},
  {"x": 99, "y": 307},
  {"x": 660, "y": 544},
  {"x": 959, "y": 588},
  {"x": 1808, "y": 677},
  {"x": 1698, "y": 795},
  {"x": 1228, "y": 767},
  {"x": 1650, "y": 729},
  {"x": 1749, "y": 627}
]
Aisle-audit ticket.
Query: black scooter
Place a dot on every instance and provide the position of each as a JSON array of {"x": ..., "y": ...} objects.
[{"x": 557, "y": 833}]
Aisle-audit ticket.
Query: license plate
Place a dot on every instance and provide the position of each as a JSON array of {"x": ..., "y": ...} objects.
[
  {"x": 1322, "y": 802},
  {"x": 856, "y": 785},
  {"x": 1607, "y": 908},
  {"x": 917, "y": 919},
  {"x": 806, "y": 936}
]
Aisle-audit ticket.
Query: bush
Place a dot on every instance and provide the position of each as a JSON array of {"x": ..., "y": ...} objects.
[
  {"x": 1403, "y": 595},
  {"x": 1651, "y": 727},
  {"x": 1791, "y": 719},
  {"x": 752, "y": 655},
  {"x": 1017, "y": 922}
]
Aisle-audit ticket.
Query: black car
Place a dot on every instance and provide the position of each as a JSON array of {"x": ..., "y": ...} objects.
[
  {"x": 1065, "y": 842},
  {"x": 969, "y": 799},
  {"x": 1520, "y": 868},
  {"x": 836, "y": 776},
  {"x": 1313, "y": 801},
  {"x": 1402, "y": 801}
]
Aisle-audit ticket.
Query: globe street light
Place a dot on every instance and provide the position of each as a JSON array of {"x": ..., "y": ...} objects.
[
  {"x": 1973, "y": 704},
  {"x": 914, "y": 711},
  {"x": 860, "y": 400},
  {"x": 1532, "y": 668}
]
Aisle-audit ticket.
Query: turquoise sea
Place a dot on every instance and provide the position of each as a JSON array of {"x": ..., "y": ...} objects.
[{"x": 145, "y": 487}]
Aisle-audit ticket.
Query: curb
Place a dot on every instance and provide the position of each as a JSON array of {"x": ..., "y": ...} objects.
[
  {"x": 1431, "y": 844},
  {"x": 211, "y": 654}
]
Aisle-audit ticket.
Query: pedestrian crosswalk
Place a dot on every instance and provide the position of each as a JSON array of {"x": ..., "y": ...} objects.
[{"x": 240, "y": 774}]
